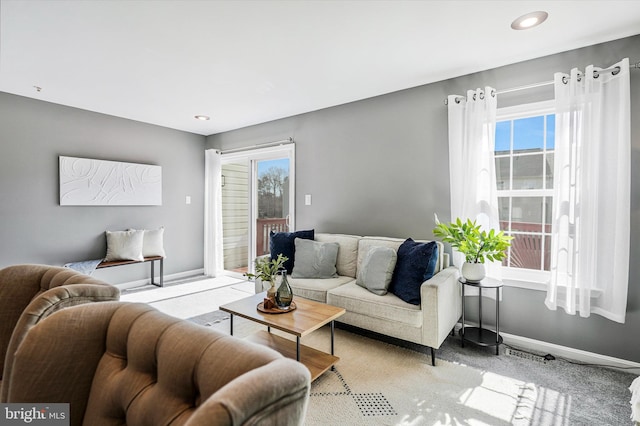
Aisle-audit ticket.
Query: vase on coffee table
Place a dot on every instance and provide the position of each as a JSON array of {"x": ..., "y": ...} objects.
[{"x": 284, "y": 294}]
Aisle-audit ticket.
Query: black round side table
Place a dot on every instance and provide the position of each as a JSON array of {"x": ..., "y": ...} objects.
[{"x": 479, "y": 335}]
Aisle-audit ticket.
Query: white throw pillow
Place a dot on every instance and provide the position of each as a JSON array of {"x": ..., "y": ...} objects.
[
  {"x": 152, "y": 243},
  {"x": 124, "y": 245}
]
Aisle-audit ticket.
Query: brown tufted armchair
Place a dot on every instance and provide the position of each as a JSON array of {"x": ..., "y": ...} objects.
[
  {"x": 120, "y": 363},
  {"x": 29, "y": 293}
]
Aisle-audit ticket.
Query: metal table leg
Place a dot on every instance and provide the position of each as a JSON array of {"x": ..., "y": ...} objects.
[
  {"x": 332, "y": 328},
  {"x": 162, "y": 272}
]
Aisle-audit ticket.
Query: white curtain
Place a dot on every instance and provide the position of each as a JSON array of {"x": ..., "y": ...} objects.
[
  {"x": 472, "y": 122},
  {"x": 591, "y": 207},
  {"x": 213, "y": 263}
]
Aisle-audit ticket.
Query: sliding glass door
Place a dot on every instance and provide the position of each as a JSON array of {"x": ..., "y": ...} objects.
[{"x": 257, "y": 197}]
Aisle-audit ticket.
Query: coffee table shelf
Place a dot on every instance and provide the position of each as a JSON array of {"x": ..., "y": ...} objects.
[{"x": 316, "y": 361}]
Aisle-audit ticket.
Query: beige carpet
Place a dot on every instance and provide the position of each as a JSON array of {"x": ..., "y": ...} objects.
[{"x": 376, "y": 383}]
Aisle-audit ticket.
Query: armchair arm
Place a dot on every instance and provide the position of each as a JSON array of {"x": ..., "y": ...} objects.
[
  {"x": 48, "y": 302},
  {"x": 441, "y": 306},
  {"x": 274, "y": 394}
]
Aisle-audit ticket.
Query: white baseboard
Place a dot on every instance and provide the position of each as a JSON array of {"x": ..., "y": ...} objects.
[
  {"x": 146, "y": 281},
  {"x": 572, "y": 354},
  {"x": 559, "y": 351}
]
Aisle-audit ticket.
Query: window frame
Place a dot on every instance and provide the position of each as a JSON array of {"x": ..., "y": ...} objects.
[{"x": 520, "y": 277}]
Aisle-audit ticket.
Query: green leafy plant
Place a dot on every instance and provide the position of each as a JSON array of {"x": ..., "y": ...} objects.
[
  {"x": 267, "y": 268},
  {"x": 474, "y": 244}
]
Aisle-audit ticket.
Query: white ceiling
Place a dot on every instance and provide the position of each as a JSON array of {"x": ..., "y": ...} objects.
[{"x": 247, "y": 62}]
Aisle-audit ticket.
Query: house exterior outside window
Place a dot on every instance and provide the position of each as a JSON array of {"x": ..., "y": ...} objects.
[{"x": 524, "y": 154}]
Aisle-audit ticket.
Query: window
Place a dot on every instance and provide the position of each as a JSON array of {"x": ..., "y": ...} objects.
[
  {"x": 257, "y": 197},
  {"x": 524, "y": 150}
]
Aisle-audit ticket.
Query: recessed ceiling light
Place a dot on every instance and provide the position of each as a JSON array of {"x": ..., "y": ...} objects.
[
  {"x": 201, "y": 117},
  {"x": 529, "y": 20}
]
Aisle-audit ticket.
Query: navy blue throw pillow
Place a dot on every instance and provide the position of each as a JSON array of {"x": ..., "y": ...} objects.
[
  {"x": 416, "y": 263},
  {"x": 283, "y": 243}
]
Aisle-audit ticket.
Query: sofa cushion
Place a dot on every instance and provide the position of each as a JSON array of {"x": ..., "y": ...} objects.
[
  {"x": 389, "y": 307},
  {"x": 347, "y": 254},
  {"x": 377, "y": 270},
  {"x": 416, "y": 264},
  {"x": 283, "y": 243},
  {"x": 316, "y": 289},
  {"x": 315, "y": 259}
]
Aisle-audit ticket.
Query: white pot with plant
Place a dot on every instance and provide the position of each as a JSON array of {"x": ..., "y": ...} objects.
[
  {"x": 266, "y": 270},
  {"x": 477, "y": 246}
]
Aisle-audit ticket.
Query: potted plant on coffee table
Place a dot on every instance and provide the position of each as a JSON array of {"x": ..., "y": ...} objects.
[
  {"x": 266, "y": 269},
  {"x": 476, "y": 245}
]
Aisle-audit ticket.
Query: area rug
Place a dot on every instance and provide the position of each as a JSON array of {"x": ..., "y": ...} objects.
[{"x": 378, "y": 383}]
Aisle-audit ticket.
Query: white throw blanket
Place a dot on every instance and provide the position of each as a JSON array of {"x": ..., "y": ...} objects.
[
  {"x": 635, "y": 400},
  {"x": 85, "y": 267}
]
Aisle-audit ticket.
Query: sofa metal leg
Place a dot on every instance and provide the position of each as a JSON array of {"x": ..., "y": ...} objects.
[{"x": 433, "y": 357}]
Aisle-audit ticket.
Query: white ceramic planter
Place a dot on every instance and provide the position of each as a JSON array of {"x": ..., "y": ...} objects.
[{"x": 473, "y": 271}]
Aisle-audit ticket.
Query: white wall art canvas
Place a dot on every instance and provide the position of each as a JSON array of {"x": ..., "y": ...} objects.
[{"x": 87, "y": 182}]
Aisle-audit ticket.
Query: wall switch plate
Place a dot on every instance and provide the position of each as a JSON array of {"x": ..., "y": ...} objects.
[
  {"x": 307, "y": 200},
  {"x": 187, "y": 199}
]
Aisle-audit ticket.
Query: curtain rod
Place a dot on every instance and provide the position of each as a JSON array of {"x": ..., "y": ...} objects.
[
  {"x": 596, "y": 73},
  {"x": 260, "y": 145}
]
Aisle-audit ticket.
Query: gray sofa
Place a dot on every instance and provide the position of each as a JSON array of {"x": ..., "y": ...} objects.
[{"x": 427, "y": 324}]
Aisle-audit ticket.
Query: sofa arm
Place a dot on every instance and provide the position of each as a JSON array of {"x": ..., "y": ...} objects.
[
  {"x": 274, "y": 394},
  {"x": 441, "y": 306}
]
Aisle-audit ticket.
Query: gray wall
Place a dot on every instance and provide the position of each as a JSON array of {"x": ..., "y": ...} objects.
[
  {"x": 34, "y": 228},
  {"x": 380, "y": 167}
]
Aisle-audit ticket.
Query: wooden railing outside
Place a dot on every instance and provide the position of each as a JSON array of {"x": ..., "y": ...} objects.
[
  {"x": 264, "y": 227},
  {"x": 526, "y": 249}
]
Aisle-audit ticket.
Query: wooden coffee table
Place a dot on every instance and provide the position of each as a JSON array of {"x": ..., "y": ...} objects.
[{"x": 308, "y": 316}]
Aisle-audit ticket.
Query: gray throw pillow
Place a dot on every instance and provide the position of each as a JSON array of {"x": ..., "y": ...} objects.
[
  {"x": 315, "y": 259},
  {"x": 376, "y": 270}
]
